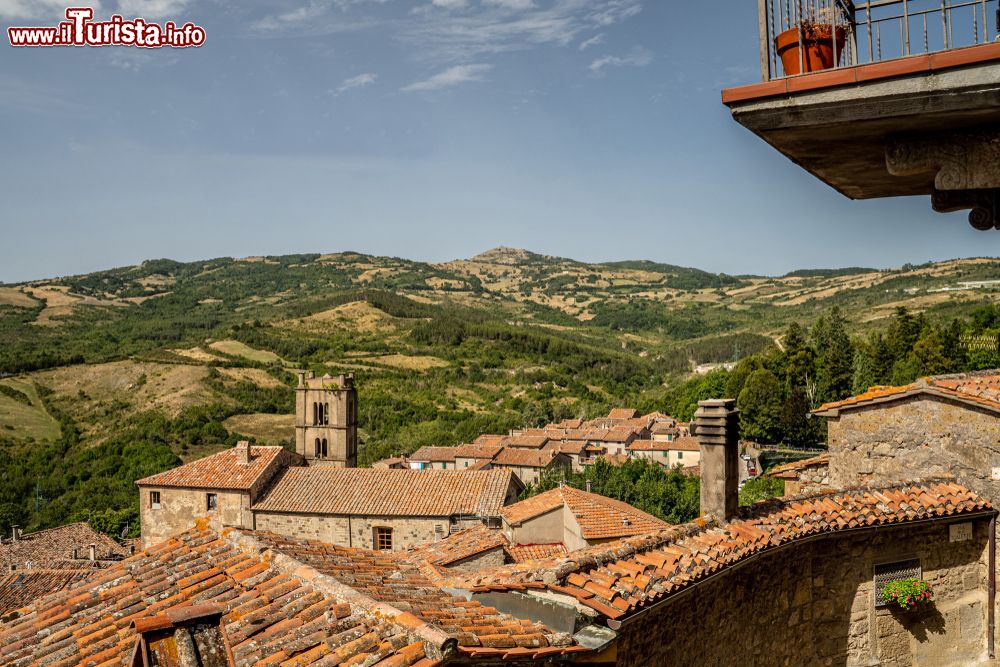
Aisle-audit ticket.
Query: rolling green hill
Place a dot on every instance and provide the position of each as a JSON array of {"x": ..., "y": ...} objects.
[{"x": 124, "y": 372}]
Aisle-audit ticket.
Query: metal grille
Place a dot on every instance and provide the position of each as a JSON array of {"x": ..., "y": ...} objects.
[{"x": 897, "y": 571}]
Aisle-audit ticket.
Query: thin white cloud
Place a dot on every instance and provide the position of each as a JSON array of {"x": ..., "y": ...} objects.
[
  {"x": 639, "y": 57},
  {"x": 359, "y": 81},
  {"x": 450, "y": 4},
  {"x": 452, "y": 76},
  {"x": 511, "y": 5},
  {"x": 39, "y": 9},
  {"x": 152, "y": 9},
  {"x": 593, "y": 41}
]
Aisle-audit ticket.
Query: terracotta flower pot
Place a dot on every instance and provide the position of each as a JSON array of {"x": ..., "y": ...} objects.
[{"x": 817, "y": 47}]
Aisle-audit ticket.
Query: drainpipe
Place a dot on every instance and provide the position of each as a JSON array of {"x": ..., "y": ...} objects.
[{"x": 992, "y": 612}]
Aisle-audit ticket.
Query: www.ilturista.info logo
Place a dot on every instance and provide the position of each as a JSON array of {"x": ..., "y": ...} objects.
[{"x": 80, "y": 30}]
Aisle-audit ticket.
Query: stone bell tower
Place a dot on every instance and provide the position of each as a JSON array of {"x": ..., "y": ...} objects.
[{"x": 326, "y": 420}]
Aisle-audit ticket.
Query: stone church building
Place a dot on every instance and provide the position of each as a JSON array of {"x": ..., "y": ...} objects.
[{"x": 317, "y": 492}]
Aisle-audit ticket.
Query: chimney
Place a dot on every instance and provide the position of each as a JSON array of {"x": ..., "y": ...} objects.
[
  {"x": 588, "y": 486},
  {"x": 243, "y": 452},
  {"x": 302, "y": 378},
  {"x": 310, "y": 375},
  {"x": 92, "y": 552},
  {"x": 717, "y": 427},
  {"x": 15, "y": 533}
]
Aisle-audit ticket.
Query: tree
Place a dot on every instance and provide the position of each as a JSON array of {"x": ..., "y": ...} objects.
[
  {"x": 835, "y": 355},
  {"x": 795, "y": 425},
  {"x": 865, "y": 374},
  {"x": 760, "y": 405}
]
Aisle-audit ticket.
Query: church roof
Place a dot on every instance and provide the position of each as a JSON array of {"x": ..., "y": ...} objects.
[
  {"x": 223, "y": 471},
  {"x": 386, "y": 492}
]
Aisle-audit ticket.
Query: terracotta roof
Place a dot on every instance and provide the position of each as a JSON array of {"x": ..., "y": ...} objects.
[
  {"x": 481, "y": 464},
  {"x": 434, "y": 454},
  {"x": 281, "y": 610},
  {"x": 599, "y": 517},
  {"x": 489, "y": 439},
  {"x": 576, "y": 447},
  {"x": 620, "y": 577},
  {"x": 460, "y": 546},
  {"x": 795, "y": 466},
  {"x": 661, "y": 428},
  {"x": 477, "y": 451},
  {"x": 981, "y": 387},
  {"x": 527, "y": 441},
  {"x": 623, "y": 413},
  {"x": 53, "y": 548},
  {"x": 222, "y": 471},
  {"x": 678, "y": 445},
  {"x": 525, "y": 458},
  {"x": 23, "y": 587},
  {"x": 393, "y": 580},
  {"x": 569, "y": 423},
  {"x": 612, "y": 459},
  {"x": 387, "y": 492},
  {"x": 393, "y": 462},
  {"x": 521, "y": 553}
]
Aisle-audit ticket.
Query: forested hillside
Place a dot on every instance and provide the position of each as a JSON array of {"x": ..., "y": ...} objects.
[{"x": 111, "y": 376}]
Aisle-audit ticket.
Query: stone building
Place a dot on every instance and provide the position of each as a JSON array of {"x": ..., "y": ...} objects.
[
  {"x": 383, "y": 510},
  {"x": 326, "y": 420},
  {"x": 223, "y": 486},
  {"x": 948, "y": 424},
  {"x": 530, "y": 464},
  {"x": 806, "y": 476}
]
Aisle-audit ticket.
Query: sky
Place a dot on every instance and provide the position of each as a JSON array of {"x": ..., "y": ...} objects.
[{"x": 425, "y": 129}]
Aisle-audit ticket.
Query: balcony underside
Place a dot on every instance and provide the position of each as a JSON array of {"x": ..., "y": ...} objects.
[{"x": 843, "y": 125}]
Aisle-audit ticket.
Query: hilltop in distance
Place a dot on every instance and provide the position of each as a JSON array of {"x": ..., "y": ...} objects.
[{"x": 123, "y": 373}]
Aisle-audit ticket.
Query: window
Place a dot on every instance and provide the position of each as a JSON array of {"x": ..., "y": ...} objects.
[
  {"x": 154, "y": 500},
  {"x": 315, "y": 413},
  {"x": 323, "y": 450},
  {"x": 383, "y": 539},
  {"x": 895, "y": 571},
  {"x": 211, "y": 501},
  {"x": 326, "y": 413},
  {"x": 680, "y": 455}
]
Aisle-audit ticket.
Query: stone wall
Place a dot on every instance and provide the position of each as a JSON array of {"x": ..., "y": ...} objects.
[
  {"x": 357, "y": 531},
  {"x": 179, "y": 508},
  {"x": 813, "y": 604},
  {"x": 917, "y": 437},
  {"x": 811, "y": 479},
  {"x": 487, "y": 559}
]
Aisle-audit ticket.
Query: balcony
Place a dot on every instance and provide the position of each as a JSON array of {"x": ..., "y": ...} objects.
[{"x": 883, "y": 98}]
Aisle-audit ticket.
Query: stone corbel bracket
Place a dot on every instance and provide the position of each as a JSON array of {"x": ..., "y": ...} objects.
[{"x": 966, "y": 167}]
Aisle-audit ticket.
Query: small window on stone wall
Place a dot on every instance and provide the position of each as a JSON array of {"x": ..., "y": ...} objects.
[
  {"x": 154, "y": 500},
  {"x": 212, "y": 501},
  {"x": 383, "y": 539},
  {"x": 894, "y": 571}
]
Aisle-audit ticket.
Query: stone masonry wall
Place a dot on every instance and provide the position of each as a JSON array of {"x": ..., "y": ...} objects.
[
  {"x": 355, "y": 531},
  {"x": 179, "y": 508},
  {"x": 914, "y": 438},
  {"x": 813, "y": 604}
]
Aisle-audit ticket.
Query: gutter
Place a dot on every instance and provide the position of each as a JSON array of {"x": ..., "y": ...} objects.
[{"x": 992, "y": 514}]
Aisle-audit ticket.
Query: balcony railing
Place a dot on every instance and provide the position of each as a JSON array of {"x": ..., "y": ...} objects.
[{"x": 801, "y": 36}]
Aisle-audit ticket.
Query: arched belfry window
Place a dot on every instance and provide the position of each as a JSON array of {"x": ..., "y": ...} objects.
[
  {"x": 317, "y": 448},
  {"x": 315, "y": 413},
  {"x": 326, "y": 413},
  {"x": 324, "y": 454}
]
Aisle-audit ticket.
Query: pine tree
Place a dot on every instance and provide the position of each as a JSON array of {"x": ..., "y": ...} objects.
[{"x": 760, "y": 405}]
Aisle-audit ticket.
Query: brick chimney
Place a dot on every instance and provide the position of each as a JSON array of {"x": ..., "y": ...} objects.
[
  {"x": 243, "y": 452},
  {"x": 92, "y": 551},
  {"x": 717, "y": 427},
  {"x": 15, "y": 533}
]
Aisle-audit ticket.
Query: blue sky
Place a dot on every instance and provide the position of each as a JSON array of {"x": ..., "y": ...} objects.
[{"x": 427, "y": 129}]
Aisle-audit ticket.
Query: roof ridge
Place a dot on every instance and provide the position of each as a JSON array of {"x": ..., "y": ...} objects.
[{"x": 440, "y": 643}]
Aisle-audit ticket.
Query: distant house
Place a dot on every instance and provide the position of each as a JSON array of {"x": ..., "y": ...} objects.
[
  {"x": 433, "y": 458},
  {"x": 684, "y": 451},
  {"x": 529, "y": 464},
  {"x": 392, "y": 463}
]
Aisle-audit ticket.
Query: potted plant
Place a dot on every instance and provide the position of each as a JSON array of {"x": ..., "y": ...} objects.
[
  {"x": 811, "y": 42},
  {"x": 908, "y": 594}
]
